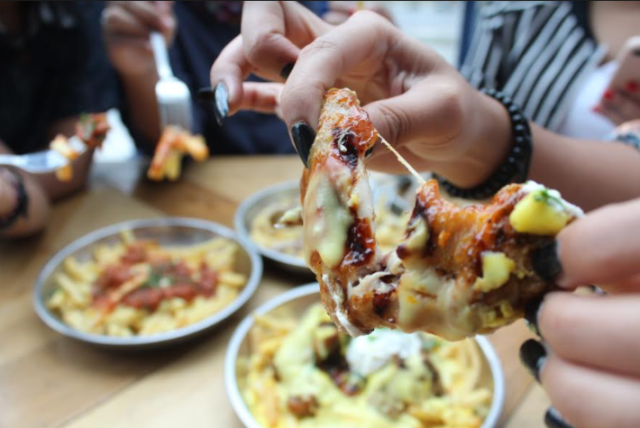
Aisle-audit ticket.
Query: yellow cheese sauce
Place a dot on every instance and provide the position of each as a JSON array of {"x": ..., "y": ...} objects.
[{"x": 303, "y": 373}]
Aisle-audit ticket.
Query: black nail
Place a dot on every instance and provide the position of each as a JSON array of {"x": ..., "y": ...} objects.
[
  {"x": 533, "y": 355},
  {"x": 553, "y": 419},
  {"x": 531, "y": 311},
  {"x": 369, "y": 151},
  {"x": 221, "y": 102},
  {"x": 545, "y": 261},
  {"x": 286, "y": 70},
  {"x": 205, "y": 95},
  {"x": 303, "y": 137}
]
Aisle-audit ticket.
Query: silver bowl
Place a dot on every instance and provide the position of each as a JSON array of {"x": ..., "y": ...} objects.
[
  {"x": 296, "y": 301},
  {"x": 251, "y": 207},
  {"x": 167, "y": 231}
]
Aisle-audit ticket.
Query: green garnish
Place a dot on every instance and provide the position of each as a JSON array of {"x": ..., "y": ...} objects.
[
  {"x": 546, "y": 197},
  {"x": 155, "y": 279}
]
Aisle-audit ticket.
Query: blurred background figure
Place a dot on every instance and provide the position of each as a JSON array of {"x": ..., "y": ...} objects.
[
  {"x": 196, "y": 33},
  {"x": 53, "y": 68},
  {"x": 557, "y": 60}
]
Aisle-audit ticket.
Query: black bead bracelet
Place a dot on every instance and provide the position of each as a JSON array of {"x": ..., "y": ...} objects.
[
  {"x": 22, "y": 203},
  {"x": 515, "y": 168}
]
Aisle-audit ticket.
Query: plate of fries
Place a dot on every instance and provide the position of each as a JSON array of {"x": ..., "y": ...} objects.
[
  {"x": 146, "y": 283},
  {"x": 288, "y": 366}
]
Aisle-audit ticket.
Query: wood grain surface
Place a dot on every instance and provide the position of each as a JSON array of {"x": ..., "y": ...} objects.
[{"x": 49, "y": 381}]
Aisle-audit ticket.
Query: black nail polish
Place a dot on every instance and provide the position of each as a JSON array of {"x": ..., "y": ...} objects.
[
  {"x": 531, "y": 311},
  {"x": 221, "y": 102},
  {"x": 545, "y": 261},
  {"x": 205, "y": 95},
  {"x": 286, "y": 70},
  {"x": 533, "y": 355},
  {"x": 553, "y": 419},
  {"x": 369, "y": 151},
  {"x": 303, "y": 137}
]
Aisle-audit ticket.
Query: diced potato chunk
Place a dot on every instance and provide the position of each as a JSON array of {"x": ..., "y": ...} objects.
[
  {"x": 496, "y": 269},
  {"x": 538, "y": 215}
]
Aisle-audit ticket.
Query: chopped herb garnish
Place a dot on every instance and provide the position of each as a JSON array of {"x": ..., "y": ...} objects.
[
  {"x": 546, "y": 197},
  {"x": 155, "y": 279}
]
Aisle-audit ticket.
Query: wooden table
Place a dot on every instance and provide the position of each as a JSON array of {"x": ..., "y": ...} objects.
[{"x": 49, "y": 381}]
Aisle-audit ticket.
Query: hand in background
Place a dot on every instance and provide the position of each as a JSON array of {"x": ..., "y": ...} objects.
[
  {"x": 622, "y": 105},
  {"x": 126, "y": 28},
  {"x": 340, "y": 11}
]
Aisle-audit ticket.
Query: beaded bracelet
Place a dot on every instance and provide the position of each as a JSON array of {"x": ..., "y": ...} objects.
[
  {"x": 22, "y": 202},
  {"x": 515, "y": 168}
]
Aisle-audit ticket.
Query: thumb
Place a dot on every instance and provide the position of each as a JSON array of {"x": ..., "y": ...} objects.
[
  {"x": 602, "y": 248},
  {"x": 430, "y": 115}
]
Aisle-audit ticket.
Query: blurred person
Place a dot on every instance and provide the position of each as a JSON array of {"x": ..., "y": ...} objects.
[
  {"x": 196, "y": 32},
  {"x": 53, "y": 69},
  {"x": 556, "y": 60}
]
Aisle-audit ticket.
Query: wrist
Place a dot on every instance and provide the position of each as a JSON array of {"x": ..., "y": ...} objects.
[
  {"x": 514, "y": 166},
  {"x": 8, "y": 194},
  {"x": 491, "y": 141}
]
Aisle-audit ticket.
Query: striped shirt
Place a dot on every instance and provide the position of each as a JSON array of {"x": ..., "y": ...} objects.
[{"x": 538, "y": 52}]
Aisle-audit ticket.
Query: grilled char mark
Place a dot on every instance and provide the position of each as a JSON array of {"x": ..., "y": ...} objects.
[
  {"x": 344, "y": 147},
  {"x": 360, "y": 242},
  {"x": 458, "y": 236}
]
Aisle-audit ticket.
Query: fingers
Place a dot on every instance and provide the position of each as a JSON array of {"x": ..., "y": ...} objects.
[
  {"x": 231, "y": 68},
  {"x": 430, "y": 112},
  {"x": 137, "y": 19},
  {"x": 621, "y": 105},
  {"x": 365, "y": 36},
  {"x": 587, "y": 330},
  {"x": 263, "y": 31},
  {"x": 261, "y": 97},
  {"x": 272, "y": 33},
  {"x": 146, "y": 12},
  {"x": 601, "y": 248},
  {"x": 589, "y": 398}
]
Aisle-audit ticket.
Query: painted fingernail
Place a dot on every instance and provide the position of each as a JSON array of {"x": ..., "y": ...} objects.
[
  {"x": 205, "y": 94},
  {"x": 533, "y": 356},
  {"x": 632, "y": 86},
  {"x": 369, "y": 151},
  {"x": 608, "y": 94},
  {"x": 531, "y": 311},
  {"x": 286, "y": 70},
  {"x": 545, "y": 261},
  {"x": 219, "y": 96},
  {"x": 553, "y": 419},
  {"x": 221, "y": 102},
  {"x": 303, "y": 137}
]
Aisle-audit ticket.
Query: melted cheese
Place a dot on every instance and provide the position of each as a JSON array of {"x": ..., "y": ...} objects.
[
  {"x": 329, "y": 220},
  {"x": 496, "y": 269}
]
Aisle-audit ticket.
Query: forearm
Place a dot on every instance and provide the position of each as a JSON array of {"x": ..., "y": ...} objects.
[
  {"x": 588, "y": 173},
  {"x": 37, "y": 210},
  {"x": 142, "y": 106}
]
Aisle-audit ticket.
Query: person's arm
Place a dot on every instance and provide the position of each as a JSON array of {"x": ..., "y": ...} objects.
[
  {"x": 126, "y": 28},
  {"x": 417, "y": 101},
  {"x": 37, "y": 210}
]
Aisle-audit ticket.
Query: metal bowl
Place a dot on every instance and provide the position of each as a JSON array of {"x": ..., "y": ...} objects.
[
  {"x": 296, "y": 301},
  {"x": 251, "y": 207},
  {"x": 168, "y": 232}
]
